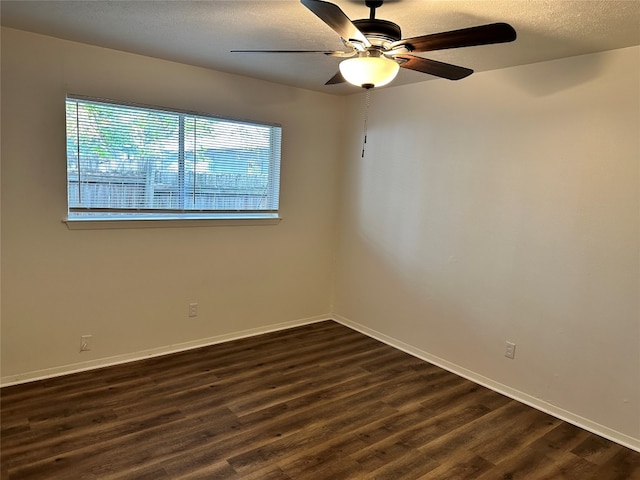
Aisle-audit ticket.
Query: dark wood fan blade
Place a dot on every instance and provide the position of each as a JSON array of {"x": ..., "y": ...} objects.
[
  {"x": 335, "y": 18},
  {"x": 466, "y": 37},
  {"x": 337, "y": 78},
  {"x": 433, "y": 67}
]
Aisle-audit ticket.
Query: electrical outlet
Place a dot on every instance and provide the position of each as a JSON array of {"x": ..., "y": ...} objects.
[
  {"x": 85, "y": 343},
  {"x": 510, "y": 351},
  {"x": 193, "y": 309}
]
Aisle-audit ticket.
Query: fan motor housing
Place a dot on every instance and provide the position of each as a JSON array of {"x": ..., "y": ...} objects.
[{"x": 379, "y": 32}]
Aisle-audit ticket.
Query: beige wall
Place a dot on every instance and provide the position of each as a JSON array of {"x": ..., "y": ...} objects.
[
  {"x": 130, "y": 288},
  {"x": 502, "y": 207},
  {"x": 505, "y": 208}
]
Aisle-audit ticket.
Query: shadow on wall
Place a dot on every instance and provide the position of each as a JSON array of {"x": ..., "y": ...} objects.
[
  {"x": 549, "y": 80},
  {"x": 542, "y": 78},
  {"x": 529, "y": 48}
]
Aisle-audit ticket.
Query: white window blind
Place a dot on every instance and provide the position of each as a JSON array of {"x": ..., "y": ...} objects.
[{"x": 133, "y": 162}]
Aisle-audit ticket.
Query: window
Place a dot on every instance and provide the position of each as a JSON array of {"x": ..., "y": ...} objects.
[{"x": 128, "y": 162}]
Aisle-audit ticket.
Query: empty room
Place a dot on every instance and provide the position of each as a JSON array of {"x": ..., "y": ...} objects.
[{"x": 305, "y": 239}]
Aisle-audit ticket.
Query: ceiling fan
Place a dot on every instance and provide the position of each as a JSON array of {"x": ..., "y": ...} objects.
[{"x": 375, "y": 49}]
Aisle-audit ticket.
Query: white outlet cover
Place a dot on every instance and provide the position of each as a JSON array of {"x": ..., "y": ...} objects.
[
  {"x": 510, "y": 351},
  {"x": 85, "y": 343}
]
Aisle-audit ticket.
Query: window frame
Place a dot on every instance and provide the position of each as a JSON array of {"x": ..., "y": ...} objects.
[{"x": 175, "y": 217}]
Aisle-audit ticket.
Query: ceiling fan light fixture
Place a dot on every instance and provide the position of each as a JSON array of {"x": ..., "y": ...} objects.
[{"x": 369, "y": 71}]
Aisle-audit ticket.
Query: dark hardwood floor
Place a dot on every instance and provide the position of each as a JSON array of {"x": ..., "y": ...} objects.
[{"x": 315, "y": 402}]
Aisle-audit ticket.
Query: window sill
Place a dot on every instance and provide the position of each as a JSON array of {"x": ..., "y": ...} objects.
[{"x": 106, "y": 224}]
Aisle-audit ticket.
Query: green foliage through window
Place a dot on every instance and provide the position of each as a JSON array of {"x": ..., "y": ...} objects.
[{"x": 133, "y": 162}]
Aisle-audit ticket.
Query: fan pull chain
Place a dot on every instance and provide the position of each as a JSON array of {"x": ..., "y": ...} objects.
[{"x": 366, "y": 119}]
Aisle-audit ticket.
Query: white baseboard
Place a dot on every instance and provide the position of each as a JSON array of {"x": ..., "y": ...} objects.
[
  {"x": 154, "y": 352},
  {"x": 527, "y": 399},
  {"x": 537, "y": 403}
]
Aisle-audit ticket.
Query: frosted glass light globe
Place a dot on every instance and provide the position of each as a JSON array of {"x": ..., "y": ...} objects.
[{"x": 368, "y": 72}]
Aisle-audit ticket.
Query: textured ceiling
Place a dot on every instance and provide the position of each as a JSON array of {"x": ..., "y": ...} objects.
[{"x": 203, "y": 32}]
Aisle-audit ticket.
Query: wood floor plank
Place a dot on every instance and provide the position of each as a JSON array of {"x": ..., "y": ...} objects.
[
  {"x": 315, "y": 402},
  {"x": 623, "y": 465},
  {"x": 464, "y": 465}
]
